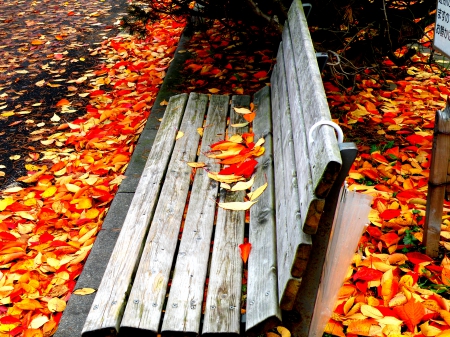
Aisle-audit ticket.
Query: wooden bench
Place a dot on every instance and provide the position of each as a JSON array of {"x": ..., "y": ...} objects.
[{"x": 162, "y": 276}]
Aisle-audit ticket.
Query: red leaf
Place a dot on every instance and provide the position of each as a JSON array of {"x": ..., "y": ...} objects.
[
  {"x": 417, "y": 139},
  {"x": 390, "y": 214},
  {"x": 9, "y": 320},
  {"x": 245, "y": 251},
  {"x": 374, "y": 232},
  {"x": 7, "y": 236},
  {"x": 46, "y": 237},
  {"x": 367, "y": 274},
  {"x": 416, "y": 257},
  {"x": 260, "y": 74}
]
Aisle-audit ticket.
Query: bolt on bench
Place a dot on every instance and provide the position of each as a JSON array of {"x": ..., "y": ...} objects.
[{"x": 156, "y": 279}]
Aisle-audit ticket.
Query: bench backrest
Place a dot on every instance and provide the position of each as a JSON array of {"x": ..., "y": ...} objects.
[{"x": 304, "y": 170}]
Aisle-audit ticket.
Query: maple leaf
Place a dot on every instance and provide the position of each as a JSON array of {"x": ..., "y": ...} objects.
[{"x": 411, "y": 313}]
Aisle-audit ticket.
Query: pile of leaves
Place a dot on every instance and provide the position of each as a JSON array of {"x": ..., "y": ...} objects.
[
  {"x": 221, "y": 63},
  {"x": 392, "y": 288},
  {"x": 48, "y": 228}
]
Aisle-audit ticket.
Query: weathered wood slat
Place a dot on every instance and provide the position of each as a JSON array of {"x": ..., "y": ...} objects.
[
  {"x": 294, "y": 245},
  {"x": 146, "y": 300},
  {"x": 184, "y": 306},
  {"x": 311, "y": 206},
  {"x": 223, "y": 301},
  {"x": 106, "y": 311},
  {"x": 280, "y": 203},
  {"x": 263, "y": 311},
  {"x": 323, "y": 152}
]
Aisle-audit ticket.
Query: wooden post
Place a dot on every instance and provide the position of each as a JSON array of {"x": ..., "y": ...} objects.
[{"x": 438, "y": 181}]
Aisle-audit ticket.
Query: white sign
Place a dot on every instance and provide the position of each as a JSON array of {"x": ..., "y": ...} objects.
[{"x": 442, "y": 27}]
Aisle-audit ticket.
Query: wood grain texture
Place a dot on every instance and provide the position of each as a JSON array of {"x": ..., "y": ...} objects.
[
  {"x": 304, "y": 163},
  {"x": 223, "y": 300},
  {"x": 106, "y": 311},
  {"x": 184, "y": 306},
  {"x": 263, "y": 311},
  {"x": 323, "y": 152},
  {"x": 290, "y": 236},
  {"x": 147, "y": 296},
  {"x": 439, "y": 167}
]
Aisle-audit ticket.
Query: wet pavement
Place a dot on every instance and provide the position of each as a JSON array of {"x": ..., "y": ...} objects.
[{"x": 46, "y": 48}]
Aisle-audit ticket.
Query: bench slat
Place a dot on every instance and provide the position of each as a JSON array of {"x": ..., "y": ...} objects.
[
  {"x": 263, "y": 311},
  {"x": 146, "y": 300},
  {"x": 109, "y": 303},
  {"x": 312, "y": 206},
  {"x": 293, "y": 244},
  {"x": 323, "y": 152},
  {"x": 223, "y": 301},
  {"x": 184, "y": 306}
]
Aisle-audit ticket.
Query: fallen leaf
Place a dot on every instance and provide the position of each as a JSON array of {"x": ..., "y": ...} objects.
[
  {"x": 245, "y": 250},
  {"x": 84, "y": 291},
  {"x": 237, "y": 205},
  {"x": 179, "y": 135}
]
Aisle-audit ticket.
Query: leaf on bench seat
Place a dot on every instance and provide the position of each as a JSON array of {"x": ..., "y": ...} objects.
[{"x": 237, "y": 205}]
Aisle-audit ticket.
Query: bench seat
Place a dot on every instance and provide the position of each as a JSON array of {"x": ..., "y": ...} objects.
[{"x": 164, "y": 276}]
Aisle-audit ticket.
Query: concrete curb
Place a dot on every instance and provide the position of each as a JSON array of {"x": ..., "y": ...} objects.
[{"x": 78, "y": 307}]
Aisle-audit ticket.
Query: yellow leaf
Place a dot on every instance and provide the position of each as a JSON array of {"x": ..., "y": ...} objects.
[
  {"x": 242, "y": 111},
  {"x": 429, "y": 330},
  {"x": 225, "y": 186},
  {"x": 163, "y": 103},
  {"x": 236, "y": 139},
  {"x": 370, "y": 311},
  {"x": 228, "y": 179},
  {"x": 283, "y": 331},
  {"x": 239, "y": 125},
  {"x": 237, "y": 205},
  {"x": 28, "y": 304},
  {"x": 259, "y": 142},
  {"x": 256, "y": 193},
  {"x": 213, "y": 90},
  {"x": 5, "y": 203},
  {"x": 73, "y": 188},
  {"x": 55, "y": 118},
  {"x": 49, "y": 192},
  {"x": 13, "y": 189},
  {"x": 179, "y": 135},
  {"x": 196, "y": 164},
  {"x": 243, "y": 185},
  {"x": 92, "y": 213},
  {"x": 15, "y": 157},
  {"x": 38, "y": 321},
  {"x": 84, "y": 203},
  {"x": 56, "y": 305},
  {"x": 200, "y": 131},
  {"x": 84, "y": 291}
]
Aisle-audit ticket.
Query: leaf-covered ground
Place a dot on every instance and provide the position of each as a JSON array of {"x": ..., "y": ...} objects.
[
  {"x": 49, "y": 223},
  {"x": 392, "y": 287}
]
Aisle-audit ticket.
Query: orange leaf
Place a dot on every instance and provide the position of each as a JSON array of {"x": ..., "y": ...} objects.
[
  {"x": 213, "y": 90},
  {"x": 371, "y": 107},
  {"x": 360, "y": 327},
  {"x": 411, "y": 313},
  {"x": 37, "y": 42},
  {"x": 245, "y": 250},
  {"x": 249, "y": 117},
  {"x": 335, "y": 328},
  {"x": 63, "y": 102}
]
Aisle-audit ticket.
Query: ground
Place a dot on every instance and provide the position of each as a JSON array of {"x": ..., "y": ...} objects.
[{"x": 71, "y": 112}]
